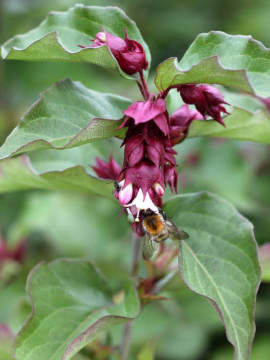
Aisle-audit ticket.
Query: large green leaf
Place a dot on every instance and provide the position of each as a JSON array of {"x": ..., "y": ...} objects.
[
  {"x": 66, "y": 115},
  {"x": 219, "y": 261},
  {"x": 218, "y": 58},
  {"x": 71, "y": 306},
  {"x": 68, "y": 169},
  {"x": 249, "y": 119},
  {"x": 62, "y": 217},
  {"x": 58, "y": 36},
  {"x": 18, "y": 174},
  {"x": 241, "y": 124}
]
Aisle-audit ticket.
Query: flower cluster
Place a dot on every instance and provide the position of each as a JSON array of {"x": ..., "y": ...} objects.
[{"x": 149, "y": 158}]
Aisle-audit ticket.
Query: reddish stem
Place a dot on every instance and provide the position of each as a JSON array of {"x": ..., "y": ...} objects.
[
  {"x": 144, "y": 86},
  {"x": 141, "y": 90},
  {"x": 164, "y": 93}
]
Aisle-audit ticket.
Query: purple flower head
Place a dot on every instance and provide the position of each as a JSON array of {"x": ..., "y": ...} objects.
[
  {"x": 207, "y": 100},
  {"x": 180, "y": 121},
  {"x": 144, "y": 111},
  {"x": 129, "y": 54},
  {"x": 171, "y": 177},
  {"x": 107, "y": 170}
]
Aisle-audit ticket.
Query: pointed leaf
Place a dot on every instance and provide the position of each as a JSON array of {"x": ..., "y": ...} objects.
[
  {"x": 219, "y": 261},
  {"x": 218, "y": 58},
  {"x": 249, "y": 120},
  {"x": 55, "y": 173},
  {"x": 58, "y": 37},
  {"x": 71, "y": 307},
  {"x": 240, "y": 125},
  {"x": 66, "y": 115}
]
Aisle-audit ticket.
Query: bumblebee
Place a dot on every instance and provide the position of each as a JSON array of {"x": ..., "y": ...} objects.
[{"x": 158, "y": 228}]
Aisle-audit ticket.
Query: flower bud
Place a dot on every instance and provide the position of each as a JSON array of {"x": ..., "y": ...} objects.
[
  {"x": 181, "y": 120},
  {"x": 159, "y": 189},
  {"x": 171, "y": 177},
  {"x": 107, "y": 170},
  {"x": 125, "y": 194},
  {"x": 129, "y": 53},
  {"x": 207, "y": 99}
]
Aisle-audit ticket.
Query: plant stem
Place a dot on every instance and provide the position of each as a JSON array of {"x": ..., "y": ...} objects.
[
  {"x": 126, "y": 335},
  {"x": 144, "y": 86}
]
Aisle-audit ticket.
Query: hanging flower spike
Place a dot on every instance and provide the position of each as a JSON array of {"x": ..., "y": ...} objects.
[
  {"x": 147, "y": 152},
  {"x": 207, "y": 99},
  {"x": 129, "y": 54}
]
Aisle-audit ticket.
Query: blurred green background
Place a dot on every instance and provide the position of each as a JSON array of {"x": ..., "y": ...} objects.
[{"x": 64, "y": 224}]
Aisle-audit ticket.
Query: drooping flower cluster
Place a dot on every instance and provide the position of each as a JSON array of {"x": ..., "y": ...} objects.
[{"x": 149, "y": 158}]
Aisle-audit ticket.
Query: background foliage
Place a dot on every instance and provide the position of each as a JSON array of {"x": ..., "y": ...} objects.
[{"x": 50, "y": 222}]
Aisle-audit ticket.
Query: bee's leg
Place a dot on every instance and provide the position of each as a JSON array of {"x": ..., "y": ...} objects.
[{"x": 163, "y": 214}]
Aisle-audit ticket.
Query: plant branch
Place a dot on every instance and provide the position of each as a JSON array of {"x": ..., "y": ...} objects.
[
  {"x": 144, "y": 86},
  {"x": 141, "y": 89},
  {"x": 126, "y": 335}
]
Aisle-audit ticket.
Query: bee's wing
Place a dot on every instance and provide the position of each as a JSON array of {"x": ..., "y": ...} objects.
[
  {"x": 175, "y": 232},
  {"x": 149, "y": 247}
]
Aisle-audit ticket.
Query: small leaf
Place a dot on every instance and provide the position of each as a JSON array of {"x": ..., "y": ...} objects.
[
  {"x": 66, "y": 115},
  {"x": 219, "y": 261},
  {"x": 58, "y": 37},
  {"x": 218, "y": 58},
  {"x": 70, "y": 308}
]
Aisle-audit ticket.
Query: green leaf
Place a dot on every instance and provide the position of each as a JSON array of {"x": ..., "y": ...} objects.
[
  {"x": 218, "y": 58},
  {"x": 219, "y": 261},
  {"x": 19, "y": 174},
  {"x": 241, "y": 124},
  {"x": 6, "y": 340},
  {"x": 66, "y": 115},
  {"x": 71, "y": 306},
  {"x": 249, "y": 120},
  {"x": 58, "y": 36},
  {"x": 147, "y": 352},
  {"x": 62, "y": 217}
]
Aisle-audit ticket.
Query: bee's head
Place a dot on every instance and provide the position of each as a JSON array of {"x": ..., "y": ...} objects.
[
  {"x": 150, "y": 212},
  {"x": 147, "y": 212}
]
